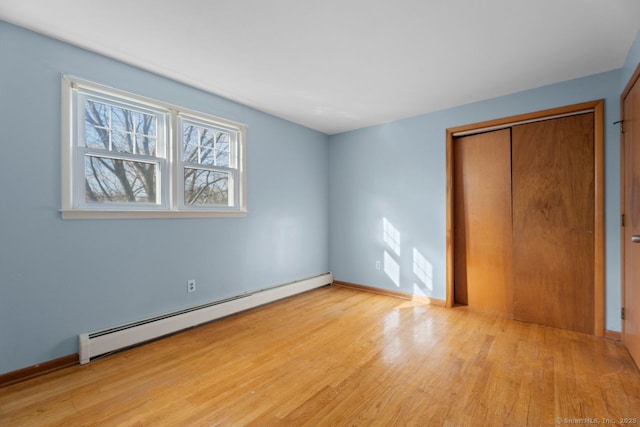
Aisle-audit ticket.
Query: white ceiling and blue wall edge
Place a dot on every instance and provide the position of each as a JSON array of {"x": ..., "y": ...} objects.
[{"x": 315, "y": 202}]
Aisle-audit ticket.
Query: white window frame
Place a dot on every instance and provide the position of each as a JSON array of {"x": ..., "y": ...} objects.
[
  {"x": 169, "y": 149},
  {"x": 199, "y": 120}
]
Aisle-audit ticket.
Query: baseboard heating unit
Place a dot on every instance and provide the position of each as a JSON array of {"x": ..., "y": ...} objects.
[{"x": 93, "y": 344}]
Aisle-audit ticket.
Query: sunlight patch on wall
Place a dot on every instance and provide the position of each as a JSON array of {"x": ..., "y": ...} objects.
[
  {"x": 423, "y": 269},
  {"x": 392, "y": 268},
  {"x": 391, "y": 236}
]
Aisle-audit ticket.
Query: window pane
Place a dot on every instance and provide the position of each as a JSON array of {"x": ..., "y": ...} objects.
[
  {"x": 222, "y": 158},
  {"x": 96, "y": 138},
  {"x": 122, "y": 119},
  {"x": 206, "y": 156},
  {"x": 146, "y": 145},
  {"x": 190, "y": 143},
  {"x": 96, "y": 121},
  {"x": 146, "y": 124},
  {"x": 208, "y": 138},
  {"x": 122, "y": 142},
  {"x": 206, "y": 145},
  {"x": 204, "y": 187},
  {"x": 97, "y": 114},
  {"x": 119, "y": 181},
  {"x": 119, "y": 129},
  {"x": 222, "y": 149}
]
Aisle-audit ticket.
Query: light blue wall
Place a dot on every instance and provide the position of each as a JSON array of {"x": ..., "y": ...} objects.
[
  {"x": 397, "y": 171},
  {"x": 61, "y": 278}
]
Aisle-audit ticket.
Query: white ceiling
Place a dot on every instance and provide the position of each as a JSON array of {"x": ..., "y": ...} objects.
[{"x": 338, "y": 65}]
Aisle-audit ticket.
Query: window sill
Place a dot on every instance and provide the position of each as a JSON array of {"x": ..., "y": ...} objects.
[{"x": 115, "y": 214}]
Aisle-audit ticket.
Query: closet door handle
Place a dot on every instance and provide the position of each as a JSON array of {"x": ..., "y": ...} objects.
[{"x": 635, "y": 238}]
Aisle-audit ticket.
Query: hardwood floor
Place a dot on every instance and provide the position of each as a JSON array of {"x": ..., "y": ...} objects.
[{"x": 336, "y": 356}]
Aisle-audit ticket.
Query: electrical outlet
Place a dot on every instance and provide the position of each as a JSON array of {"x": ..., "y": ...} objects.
[
  {"x": 377, "y": 265},
  {"x": 191, "y": 286}
]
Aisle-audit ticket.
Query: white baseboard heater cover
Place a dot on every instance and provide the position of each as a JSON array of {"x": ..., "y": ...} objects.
[{"x": 97, "y": 343}]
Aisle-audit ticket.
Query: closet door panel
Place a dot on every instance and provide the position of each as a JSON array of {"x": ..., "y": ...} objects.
[
  {"x": 482, "y": 221},
  {"x": 553, "y": 222},
  {"x": 631, "y": 264}
]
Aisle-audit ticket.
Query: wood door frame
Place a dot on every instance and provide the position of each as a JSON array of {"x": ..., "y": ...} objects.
[
  {"x": 635, "y": 78},
  {"x": 597, "y": 107}
]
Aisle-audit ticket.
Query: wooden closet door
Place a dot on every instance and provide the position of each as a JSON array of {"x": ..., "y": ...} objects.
[
  {"x": 553, "y": 222},
  {"x": 482, "y": 221},
  {"x": 631, "y": 195}
]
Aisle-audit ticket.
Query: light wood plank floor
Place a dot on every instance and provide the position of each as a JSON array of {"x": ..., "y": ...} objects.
[{"x": 336, "y": 356}]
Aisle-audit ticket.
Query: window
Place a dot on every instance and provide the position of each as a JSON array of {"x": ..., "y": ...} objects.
[
  {"x": 126, "y": 156},
  {"x": 209, "y": 158}
]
